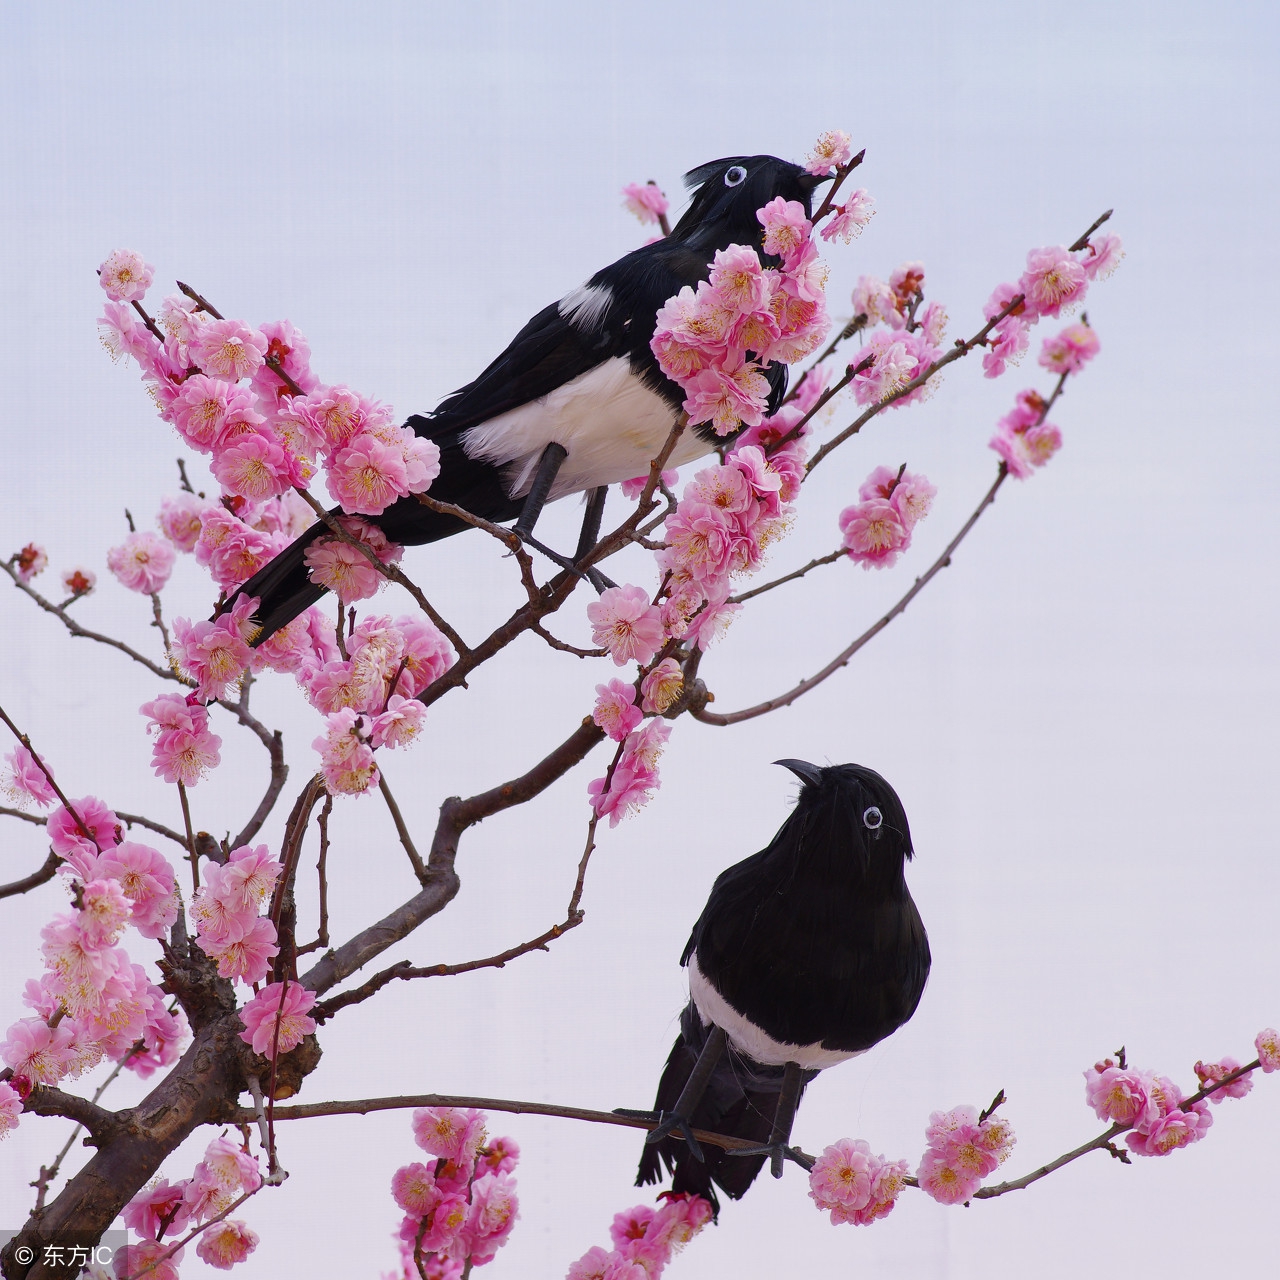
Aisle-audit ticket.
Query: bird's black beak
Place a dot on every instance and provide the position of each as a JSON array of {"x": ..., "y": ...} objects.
[
  {"x": 809, "y": 182},
  {"x": 803, "y": 770}
]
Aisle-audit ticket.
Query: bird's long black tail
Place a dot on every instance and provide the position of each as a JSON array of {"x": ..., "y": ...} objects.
[
  {"x": 284, "y": 587},
  {"x": 740, "y": 1102}
]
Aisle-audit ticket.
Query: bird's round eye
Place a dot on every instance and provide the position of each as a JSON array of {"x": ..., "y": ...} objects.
[
  {"x": 735, "y": 176},
  {"x": 872, "y": 818}
]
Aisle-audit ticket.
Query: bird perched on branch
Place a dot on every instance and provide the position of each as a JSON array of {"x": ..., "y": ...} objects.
[
  {"x": 577, "y": 401},
  {"x": 807, "y": 953}
]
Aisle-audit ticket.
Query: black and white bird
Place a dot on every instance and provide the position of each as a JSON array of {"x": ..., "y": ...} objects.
[
  {"x": 806, "y": 954},
  {"x": 577, "y": 401}
]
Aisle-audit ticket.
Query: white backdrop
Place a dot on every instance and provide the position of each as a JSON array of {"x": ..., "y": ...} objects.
[{"x": 1079, "y": 714}]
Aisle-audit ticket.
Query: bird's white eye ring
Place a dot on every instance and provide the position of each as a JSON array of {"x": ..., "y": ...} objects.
[
  {"x": 735, "y": 176},
  {"x": 872, "y": 818}
]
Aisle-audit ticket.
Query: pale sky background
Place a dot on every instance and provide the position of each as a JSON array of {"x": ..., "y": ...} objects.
[{"x": 1079, "y": 714}]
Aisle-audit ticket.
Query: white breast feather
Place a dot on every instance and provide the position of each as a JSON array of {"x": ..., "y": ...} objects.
[
  {"x": 611, "y": 424},
  {"x": 747, "y": 1038}
]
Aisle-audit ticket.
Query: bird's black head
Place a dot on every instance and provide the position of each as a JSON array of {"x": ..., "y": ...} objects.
[
  {"x": 727, "y": 193},
  {"x": 852, "y": 814}
]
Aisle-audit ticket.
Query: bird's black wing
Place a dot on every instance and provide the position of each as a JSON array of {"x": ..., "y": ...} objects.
[{"x": 548, "y": 352}]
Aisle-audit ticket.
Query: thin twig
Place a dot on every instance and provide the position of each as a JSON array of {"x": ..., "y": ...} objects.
[
  {"x": 789, "y": 577},
  {"x": 137, "y": 820},
  {"x": 84, "y": 633},
  {"x": 191, "y": 839},
  {"x": 402, "y": 830},
  {"x": 842, "y": 658},
  {"x": 563, "y": 646},
  {"x": 322, "y": 932}
]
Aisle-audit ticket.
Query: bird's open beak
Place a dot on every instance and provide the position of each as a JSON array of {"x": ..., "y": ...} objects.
[{"x": 803, "y": 770}]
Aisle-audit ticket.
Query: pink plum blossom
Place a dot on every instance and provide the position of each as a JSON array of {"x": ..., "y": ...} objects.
[
  {"x": 124, "y": 276},
  {"x": 246, "y": 958},
  {"x": 727, "y": 398},
  {"x": 346, "y": 759},
  {"x": 25, "y": 780},
  {"x": 157, "y": 1209},
  {"x": 786, "y": 229},
  {"x": 185, "y": 749},
  {"x": 37, "y": 1052},
  {"x": 874, "y": 533},
  {"x": 366, "y": 476},
  {"x": 345, "y": 570},
  {"x": 289, "y": 1004},
  {"x": 1053, "y": 279},
  {"x": 143, "y": 562},
  {"x": 615, "y": 711},
  {"x": 1267, "y": 1044},
  {"x": 228, "y": 349},
  {"x": 123, "y": 334},
  {"x": 67, "y": 836},
  {"x": 831, "y": 151},
  {"x": 1210, "y": 1073},
  {"x": 213, "y": 654},
  {"x": 1005, "y": 346},
  {"x": 79, "y": 581},
  {"x": 232, "y": 551},
  {"x": 491, "y": 1217},
  {"x": 1105, "y": 252},
  {"x": 875, "y": 300},
  {"x": 645, "y": 201},
  {"x": 104, "y": 912},
  {"x": 146, "y": 878},
  {"x": 400, "y": 724},
  {"x": 1070, "y": 350},
  {"x": 842, "y": 1175},
  {"x": 226, "y": 1243},
  {"x": 448, "y": 1133},
  {"x": 255, "y": 466},
  {"x": 413, "y": 1187},
  {"x": 662, "y": 686},
  {"x": 1174, "y": 1129},
  {"x": 850, "y": 217},
  {"x": 627, "y": 624},
  {"x": 146, "y": 1259}
]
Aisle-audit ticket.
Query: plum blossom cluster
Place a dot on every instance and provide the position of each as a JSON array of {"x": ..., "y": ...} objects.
[
  {"x": 369, "y": 698},
  {"x": 727, "y": 517},
  {"x": 226, "y": 912},
  {"x": 185, "y": 748},
  {"x": 901, "y": 346},
  {"x": 854, "y": 1185},
  {"x": 1153, "y": 1107},
  {"x": 247, "y": 397},
  {"x": 877, "y": 529},
  {"x": 1023, "y": 438},
  {"x": 644, "y": 1239},
  {"x": 92, "y": 1002},
  {"x": 163, "y": 1211},
  {"x": 1056, "y": 279},
  {"x": 716, "y": 341},
  {"x": 962, "y": 1149},
  {"x": 460, "y": 1206}
]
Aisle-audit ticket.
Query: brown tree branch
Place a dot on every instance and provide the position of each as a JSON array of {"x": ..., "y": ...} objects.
[
  {"x": 35, "y": 879},
  {"x": 441, "y": 882},
  {"x": 842, "y": 658},
  {"x": 364, "y": 1106},
  {"x": 84, "y": 633},
  {"x": 402, "y": 830},
  {"x": 789, "y": 577}
]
